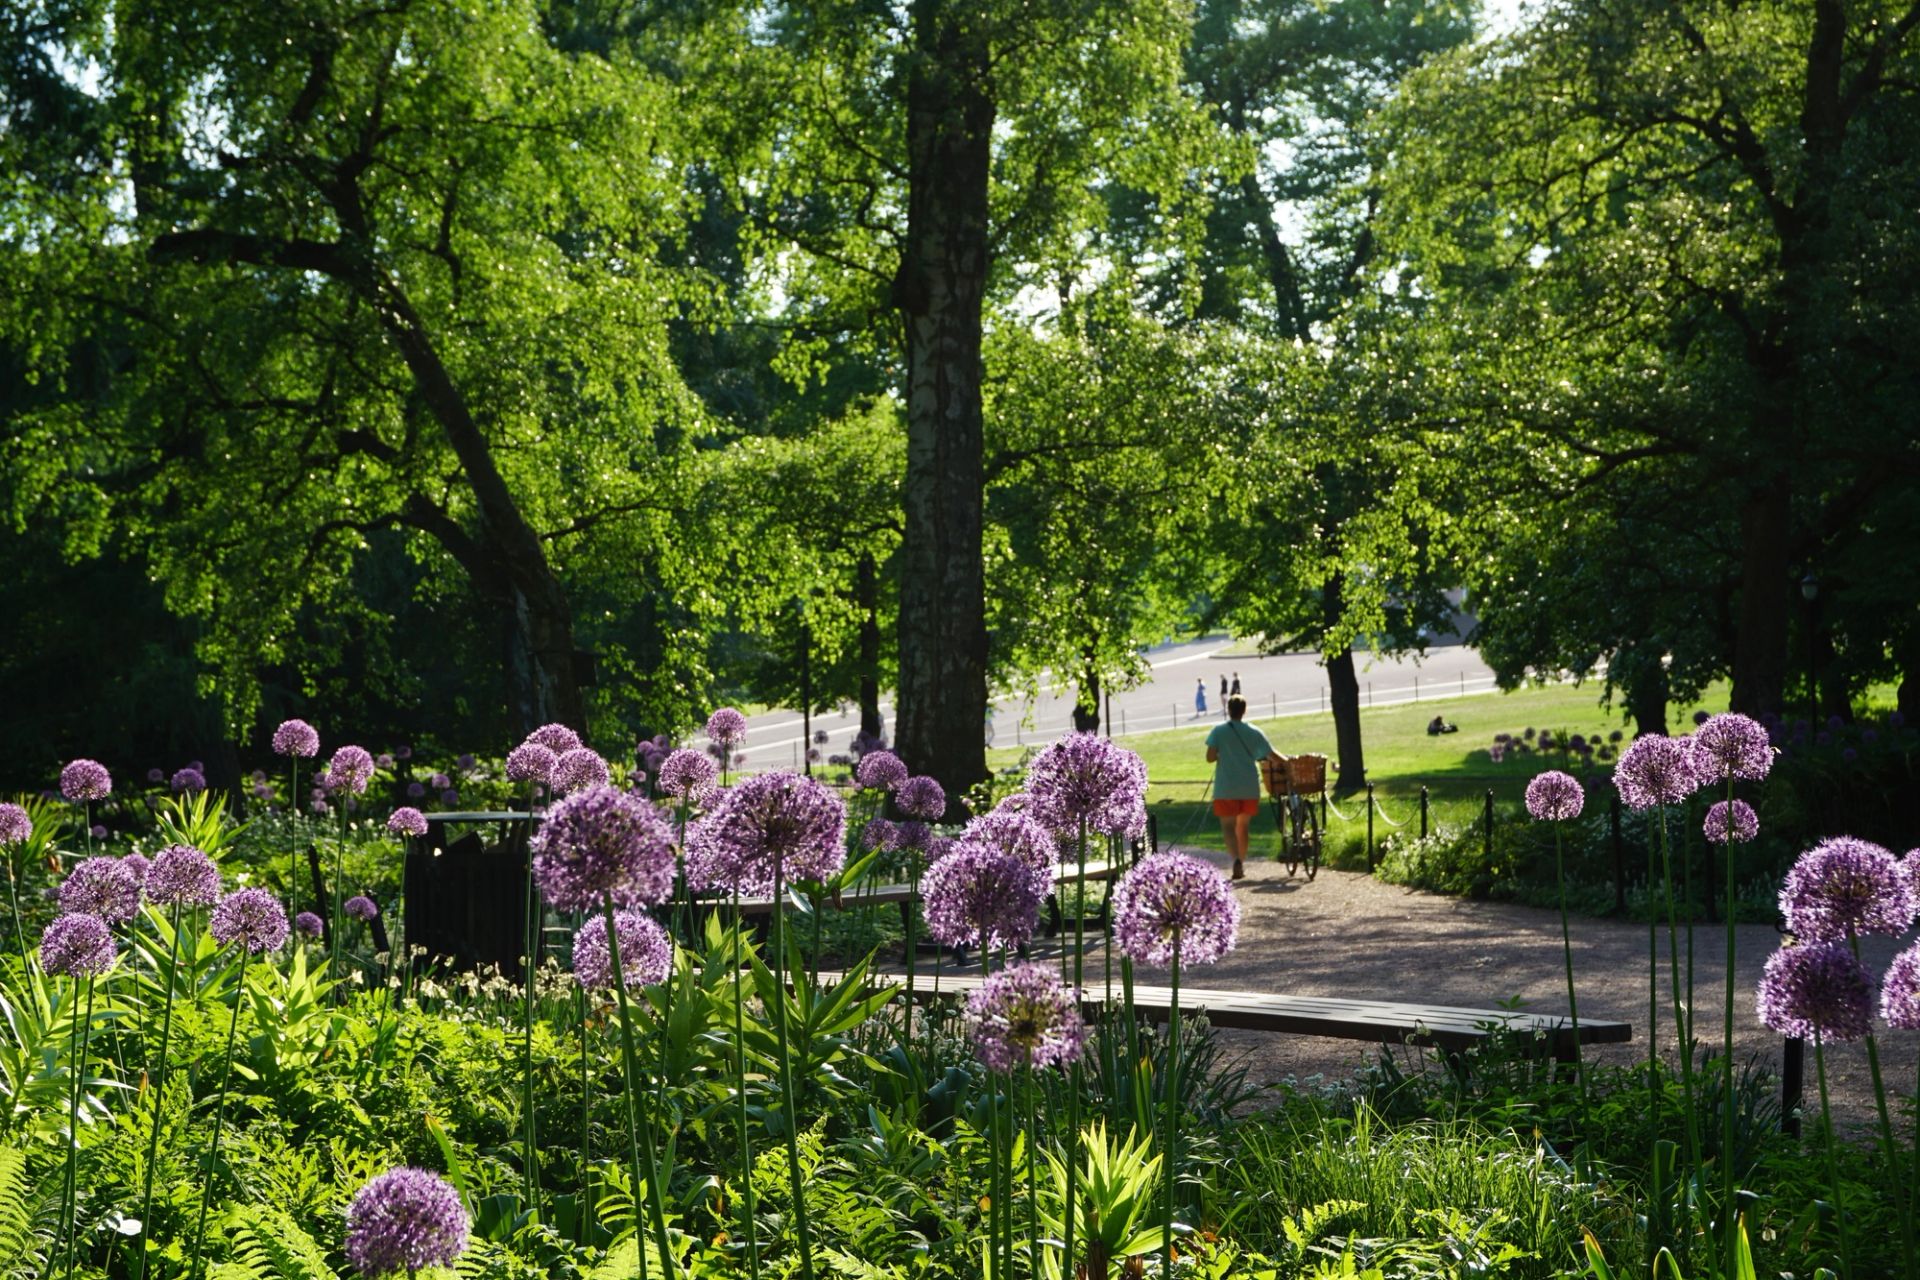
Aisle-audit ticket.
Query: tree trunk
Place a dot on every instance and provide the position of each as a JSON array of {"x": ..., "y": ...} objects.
[
  {"x": 1647, "y": 697},
  {"x": 867, "y": 597},
  {"x": 1760, "y": 638},
  {"x": 939, "y": 290},
  {"x": 1343, "y": 692},
  {"x": 1086, "y": 708}
]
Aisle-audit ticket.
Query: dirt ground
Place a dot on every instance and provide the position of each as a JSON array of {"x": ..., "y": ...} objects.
[{"x": 1349, "y": 935}]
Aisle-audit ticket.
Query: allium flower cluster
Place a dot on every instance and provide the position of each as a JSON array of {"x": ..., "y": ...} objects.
[
  {"x": 15, "y": 824},
  {"x": 772, "y": 826},
  {"x": 1024, "y": 1016},
  {"x": 687, "y": 775},
  {"x": 183, "y": 876},
  {"x": 880, "y": 771},
  {"x": 1816, "y": 989},
  {"x": 880, "y": 835},
  {"x": 308, "y": 925},
  {"x": 1842, "y": 887},
  {"x": 403, "y": 1221},
  {"x": 599, "y": 845},
  {"x": 1655, "y": 770},
  {"x": 104, "y": 887},
  {"x": 251, "y": 918},
  {"x": 139, "y": 866},
  {"x": 1554, "y": 796},
  {"x": 556, "y": 738},
  {"x": 1085, "y": 778},
  {"x": 977, "y": 896},
  {"x": 646, "y": 953},
  {"x": 1731, "y": 824},
  {"x": 530, "y": 762},
  {"x": 578, "y": 768},
  {"x": 85, "y": 780},
  {"x": 189, "y": 781},
  {"x": 1173, "y": 895},
  {"x": 407, "y": 821},
  {"x": 77, "y": 946},
  {"x": 296, "y": 738},
  {"x": 921, "y": 797},
  {"x": 1732, "y": 746},
  {"x": 349, "y": 770},
  {"x": 912, "y": 834},
  {"x": 360, "y": 907},
  {"x": 1900, "y": 991},
  {"x": 1015, "y": 833},
  {"x": 726, "y": 728}
]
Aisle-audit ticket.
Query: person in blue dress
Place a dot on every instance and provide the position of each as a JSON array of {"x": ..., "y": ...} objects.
[
  {"x": 1199, "y": 699},
  {"x": 1235, "y": 750}
]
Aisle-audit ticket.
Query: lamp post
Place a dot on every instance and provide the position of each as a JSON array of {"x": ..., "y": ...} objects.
[{"x": 1794, "y": 1058}]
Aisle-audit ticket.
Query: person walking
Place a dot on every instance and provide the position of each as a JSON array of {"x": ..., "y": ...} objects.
[
  {"x": 1235, "y": 750},
  {"x": 1199, "y": 698},
  {"x": 1223, "y": 692},
  {"x": 1236, "y": 684}
]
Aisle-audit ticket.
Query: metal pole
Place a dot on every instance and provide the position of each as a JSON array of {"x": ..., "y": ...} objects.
[
  {"x": 1416, "y": 688},
  {"x": 1619, "y": 858},
  {"x": 1793, "y": 1075},
  {"x": 1107, "y": 719},
  {"x": 806, "y": 698},
  {"x": 1369, "y": 693},
  {"x": 1369, "y": 828},
  {"x": 1423, "y": 811},
  {"x": 1463, "y": 684},
  {"x": 1274, "y": 700},
  {"x": 1489, "y": 826}
]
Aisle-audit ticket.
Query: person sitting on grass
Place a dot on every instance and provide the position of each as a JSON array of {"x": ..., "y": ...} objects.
[{"x": 1235, "y": 750}]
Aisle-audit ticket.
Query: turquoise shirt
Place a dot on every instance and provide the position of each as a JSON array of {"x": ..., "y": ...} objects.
[{"x": 1242, "y": 747}]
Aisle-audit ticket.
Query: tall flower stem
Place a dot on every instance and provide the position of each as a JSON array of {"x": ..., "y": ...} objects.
[
  {"x": 157, "y": 1080},
  {"x": 639, "y": 1144},
  {"x": 1728, "y": 1209},
  {"x": 1655, "y": 1214},
  {"x": 219, "y": 1118},
  {"x": 1073, "y": 1090},
  {"x": 586, "y": 1114},
  {"x": 13, "y": 899},
  {"x": 788, "y": 1111},
  {"x": 913, "y": 945},
  {"x": 1033, "y": 1183},
  {"x": 1888, "y": 1141},
  {"x": 1833, "y": 1156},
  {"x": 70, "y": 1186},
  {"x": 293, "y": 836},
  {"x": 1683, "y": 1023},
  {"x": 530, "y": 925},
  {"x": 1173, "y": 1107},
  {"x": 747, "y": 1216},
  {"x": 1566, "y": 949}
]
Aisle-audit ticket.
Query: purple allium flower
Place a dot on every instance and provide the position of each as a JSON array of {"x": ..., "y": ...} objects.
[
  {"x": 880, "y": 834},
  {"x": 403, "y": 752},
  {"x": 308, "y": 925},
  {"x": 555, "y": 738},
  {"x": 16, "y": 825},
  {"x": 183, "y": 876},
  {"x": 466, "y": 761},
  {"x": 360, "y": 907},
  {"x": 977, "y": 896},
  {"x": 1655, "y": 770},
  {"x": 1555, "y": 797},
  {"x": 449, "y": 797},
  {"x": 531, "y": 762},
  {"x": 251, "y": 918},
  {"x": 350, "y": 769},
  {"x": 1700, "y": 717},
  {"x": 156, "y": 775},
  {"x": 98, "y": 831},
  {"x": 580, "y": 767},
  {"x": 773, "y": 826},
  {"x": 1014, "y": 832},
  {"x": 319, "y": 805},
  {"x": 1816, "y": 989},
  {"x": 189, "y": 780},
  {"x": 439, "y": 782},
  {"x": 384, "y": 760},
  {"x": 1896, "y": 720},
  {"x": 601, "y": 844},
  {"x": 1024, "y": 1016},
  {"x": 1911, "y": 866},
  {"x": 1835, "y": 723},
  {"x": 1900, "y": 991},
  {"x": 880, "y": 771},
  {"x": 104, "y": 887},
  {"x": 262, "y": 791},
  {"x": 1173, "y": 893},
  {"x": 139, "y": 866},
  {"x": 407, "y": 821},
  {"x": 646, "y": 953},
  {"x": 921, "y": 797},
  {"x": 1823, "y": 739},
  {"x": 405, "y": 1220},
  {"x": 1737, "y": 825},
  {"x": 687, "y": 775},
  {"x": 1842, "y": 887},
  {"x": 77, "y": 946},
  {"x": 296, "y": 738},
  {"x": 820, "y": 737},
  {"x": 416, "y": 791},
  {"x": 912, "y": 834},
  {"x": 85, "y": 780},
  {"x": 726, "y": 728},
  {"x": 1085, "y": 778}
]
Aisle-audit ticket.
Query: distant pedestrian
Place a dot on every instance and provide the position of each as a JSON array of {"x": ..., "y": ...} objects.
[
  {"x": 1199, "y": 698},
  {"x": 1235, "y": 691},
  {"x": 1235, "y": 750}
]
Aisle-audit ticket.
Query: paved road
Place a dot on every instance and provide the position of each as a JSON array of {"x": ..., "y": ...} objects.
[{"x": 1281, "y": 685}]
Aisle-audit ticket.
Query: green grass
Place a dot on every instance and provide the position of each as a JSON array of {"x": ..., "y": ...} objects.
[{"x": 1456, "y": 768}]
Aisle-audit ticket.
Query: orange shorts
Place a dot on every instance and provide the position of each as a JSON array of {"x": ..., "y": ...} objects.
[{"x": 1235, "y": 808}]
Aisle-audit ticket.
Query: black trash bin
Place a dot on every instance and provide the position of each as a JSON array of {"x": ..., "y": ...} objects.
[{"x": 465, "y": 883}]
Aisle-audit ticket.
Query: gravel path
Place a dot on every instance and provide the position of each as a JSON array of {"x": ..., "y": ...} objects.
[{"x": 1347, "y": 934}]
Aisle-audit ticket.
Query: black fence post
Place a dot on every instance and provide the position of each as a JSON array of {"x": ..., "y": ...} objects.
[
  {"x": 322, "y": 903},
  {"x": 1793, "y": 1076},
  {"x": 1423, "y": 811},
  {"x": 1619, "y": 857},
  {"x": 1489, "y": 826},
  {"x": 1369, "y": 828}
]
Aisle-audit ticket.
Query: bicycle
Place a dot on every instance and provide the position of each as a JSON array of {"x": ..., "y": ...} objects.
[{"x": 1292, "y": 783}]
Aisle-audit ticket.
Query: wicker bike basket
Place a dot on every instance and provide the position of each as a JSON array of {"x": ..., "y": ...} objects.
[{"x": 1295, "y": 775}]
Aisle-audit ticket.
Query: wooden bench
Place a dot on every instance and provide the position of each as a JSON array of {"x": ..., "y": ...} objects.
[
  {"x": 902, "y": 895},
  {"x": 1450, "y": 1029}
]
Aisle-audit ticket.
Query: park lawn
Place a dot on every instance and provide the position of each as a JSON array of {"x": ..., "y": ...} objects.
[{"x": 1400, "y": 755}]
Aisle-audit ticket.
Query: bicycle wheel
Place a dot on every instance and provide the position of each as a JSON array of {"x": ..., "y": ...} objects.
[
  {"x": 1289, "y": 823},
  {"x": 1310, "y": 842}
]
